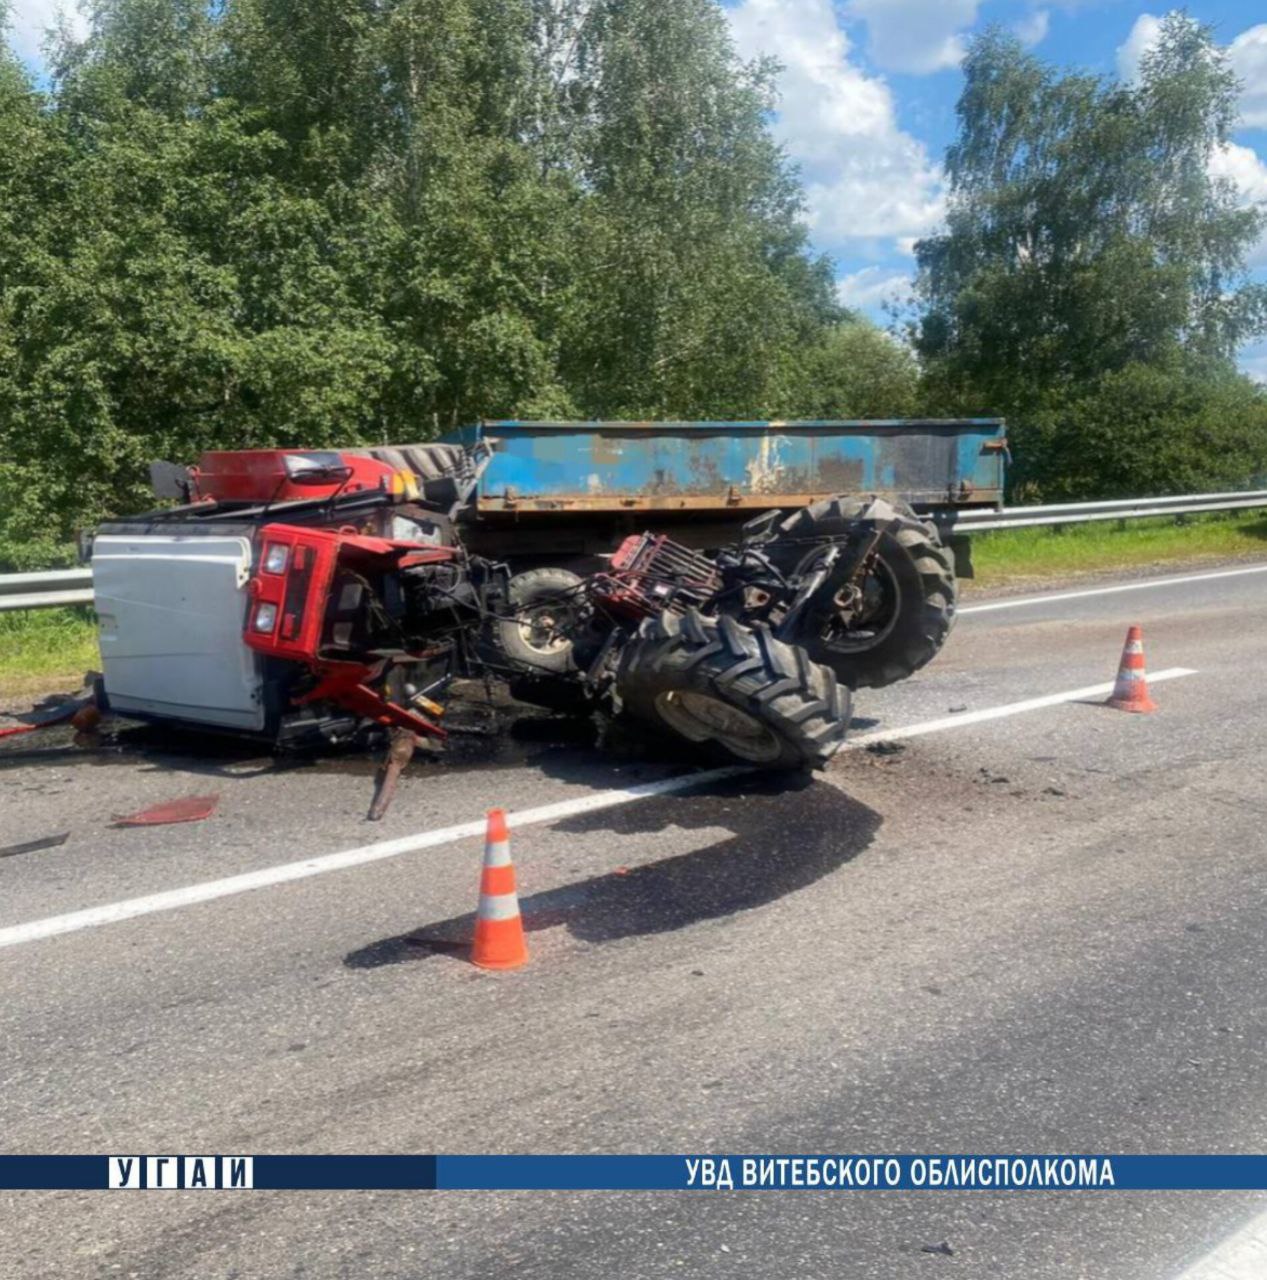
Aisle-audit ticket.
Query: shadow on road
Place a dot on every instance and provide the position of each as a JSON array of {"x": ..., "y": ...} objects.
[{"x": 786, "y": 835}]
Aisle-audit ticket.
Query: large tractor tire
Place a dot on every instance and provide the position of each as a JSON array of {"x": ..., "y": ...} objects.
[
  {"x": 908, "y": 599},
  {"x": 740, "y": 692},
  {"x": 538, "y": 635}
]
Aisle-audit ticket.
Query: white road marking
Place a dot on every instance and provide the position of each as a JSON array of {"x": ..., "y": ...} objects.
[
  {"x": 1242, "y": 1256},
  {"x": 283, "y": 873},
  {"x": 1008, "y": 709},
  {"x": 208, "y": 890},
  {"x": 1109, "y": 591}
]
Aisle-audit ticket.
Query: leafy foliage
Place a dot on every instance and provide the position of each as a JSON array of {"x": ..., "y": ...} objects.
[
  {"x": 324, "y": 221},
  {"x": 854, "y": 371},
  {"x": 1144, "y": 430}
]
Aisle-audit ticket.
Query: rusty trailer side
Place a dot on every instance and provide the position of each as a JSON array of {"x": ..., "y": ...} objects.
[
  {"x": 579, "y": 485},
  {"x": 720, "y": 466}
]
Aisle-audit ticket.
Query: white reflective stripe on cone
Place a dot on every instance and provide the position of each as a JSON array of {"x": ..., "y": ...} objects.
[
  {"x": 497, "y": 853},
  {"x": 498, "y": 906}
]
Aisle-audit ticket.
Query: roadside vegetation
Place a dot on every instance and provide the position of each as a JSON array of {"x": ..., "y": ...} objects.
[
  {"x": 320, "y": 222},
  {"x": 1014, "y": 557},
  {"x": 42, "y": 650}
]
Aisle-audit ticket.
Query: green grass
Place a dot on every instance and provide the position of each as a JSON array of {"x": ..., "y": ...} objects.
[
  {"x": 43, "y": 650},
  {"x": 1016, "y": 556}
]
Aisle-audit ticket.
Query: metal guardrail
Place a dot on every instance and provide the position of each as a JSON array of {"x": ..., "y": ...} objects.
[
  {"x": 46, "y": 589},
  {"x": 74, "y": 586},
  {"x": 1083, "y": 512}
]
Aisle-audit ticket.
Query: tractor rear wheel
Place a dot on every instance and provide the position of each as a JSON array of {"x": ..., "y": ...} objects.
[
  {"x": 736, "y": 690},
  {"x": 907, "y": 603}
]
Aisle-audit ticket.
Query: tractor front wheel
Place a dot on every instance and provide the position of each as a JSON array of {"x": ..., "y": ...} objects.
[{"x": 546, "y": 607}]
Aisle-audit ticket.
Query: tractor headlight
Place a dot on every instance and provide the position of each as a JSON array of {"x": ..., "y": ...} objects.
[
  {"x": 275, "y": 559},
  {"x": 265, "y": 617}
]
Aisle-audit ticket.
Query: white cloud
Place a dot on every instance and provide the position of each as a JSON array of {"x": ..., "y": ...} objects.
[
  {"x": 1130, "y": 53},
  {"x": 1242, "y": 166},
  {"x": 915, "y": 35},
  {"x": 872, "y": 287},
  {"x": 865, "y": 179},
  {"x": 1032, "y": 29},
  {"x": 1245, "y": 170},
  {"x": 30, "y": 20},
  {"x": 1248, "y": 55}
]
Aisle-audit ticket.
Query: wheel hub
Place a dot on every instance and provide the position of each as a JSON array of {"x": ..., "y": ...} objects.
[
  {"x": 861, "y": 617},
  {"x": 541, "y": 630}
]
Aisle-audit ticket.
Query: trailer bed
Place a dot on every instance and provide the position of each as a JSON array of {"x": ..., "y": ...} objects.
[{"x": 577, "y": 486}]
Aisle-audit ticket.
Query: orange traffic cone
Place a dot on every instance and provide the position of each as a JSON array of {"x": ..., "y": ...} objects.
[
  {"x": 1130, "y": 691},
  {"x": 499, "y": 928}
]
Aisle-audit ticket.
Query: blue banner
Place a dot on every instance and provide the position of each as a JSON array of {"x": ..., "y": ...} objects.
[
  {"x": 852, "y": 1173},
  {"x": 634, "y": 1172}
]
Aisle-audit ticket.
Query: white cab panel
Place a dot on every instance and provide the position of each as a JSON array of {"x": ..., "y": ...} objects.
[{"x": 171, "y": 612}]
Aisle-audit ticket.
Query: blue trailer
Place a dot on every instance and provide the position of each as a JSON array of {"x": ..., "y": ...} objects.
[{"x": 576, "y": 487}]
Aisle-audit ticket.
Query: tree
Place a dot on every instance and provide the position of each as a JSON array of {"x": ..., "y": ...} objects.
[
  {"x": 325, "y": 221},
  {"x": 1146, "y": 429},
  {"x": 1087, "y": 244},
  {"x": 854, "y": 371},
  {"x": 1085, "y": 231},
  {"x": 694, "y": 278}
]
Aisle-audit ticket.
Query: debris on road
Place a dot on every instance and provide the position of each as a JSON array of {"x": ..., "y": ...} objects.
[
  {"x": 60, "y": 715},
  {"x": 87, "y": 719},
  {"x": 34, "y": 846},
  {"x": 187, "y": 809},
  {"x": 942, "y": 1247},
  {"x": 10, "y": 731},
  {"x": 399, "y": 753}
]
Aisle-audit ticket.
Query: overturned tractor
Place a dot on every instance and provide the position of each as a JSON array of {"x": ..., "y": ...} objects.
[{"x": 301, "y": 595}]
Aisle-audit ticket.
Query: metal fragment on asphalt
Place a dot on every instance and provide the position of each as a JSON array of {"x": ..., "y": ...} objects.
[
  {"x": 33, "y": 846},
  {"x": 58, "y": 717},
  {"x": 187, "y": 809}
]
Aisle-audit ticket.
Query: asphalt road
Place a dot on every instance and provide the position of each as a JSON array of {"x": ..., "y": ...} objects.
[{"x": 1036, "y": 933}]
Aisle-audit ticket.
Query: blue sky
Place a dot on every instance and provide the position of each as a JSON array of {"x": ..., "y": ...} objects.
[{"x": 869, "y": 89}]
